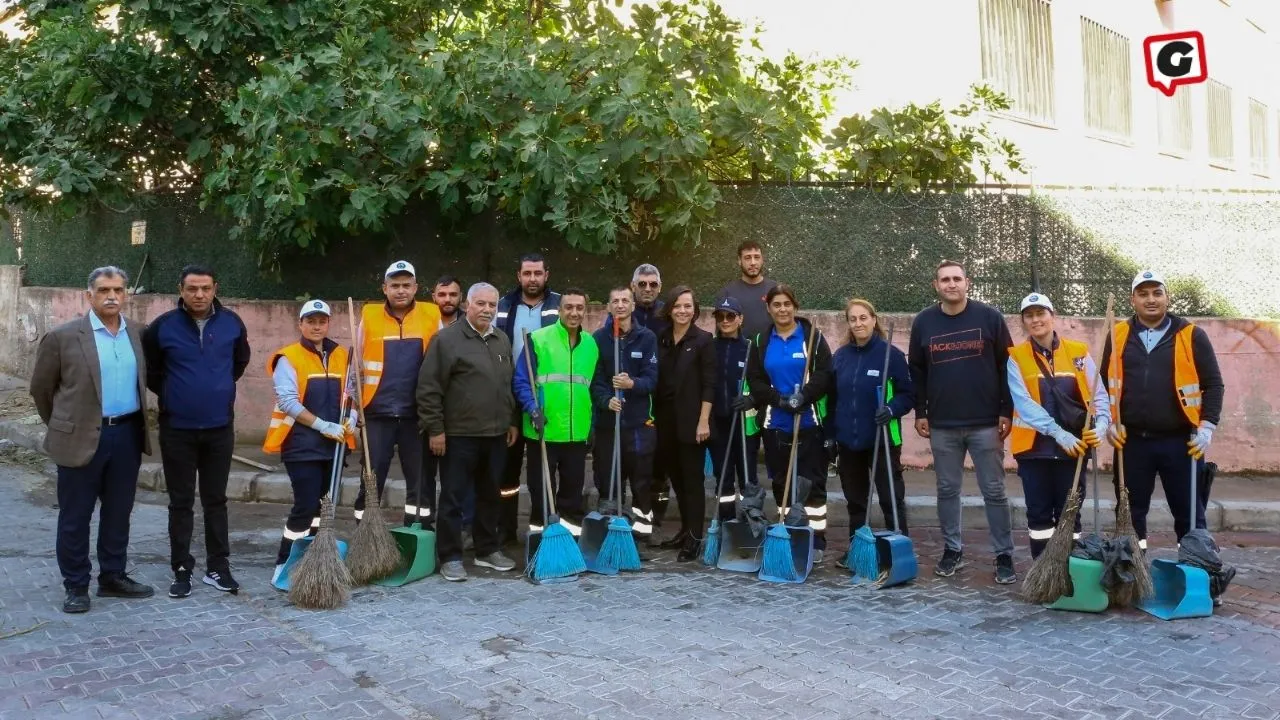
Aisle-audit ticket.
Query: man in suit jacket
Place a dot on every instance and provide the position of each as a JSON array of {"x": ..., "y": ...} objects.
[{"x": 89, "y": 386}]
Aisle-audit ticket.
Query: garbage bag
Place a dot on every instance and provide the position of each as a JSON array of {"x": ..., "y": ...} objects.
[
  {"x": 1117, "y": 556},
  {"x": 1198, "y": 549},
  {"x": 751, "y": 509}
]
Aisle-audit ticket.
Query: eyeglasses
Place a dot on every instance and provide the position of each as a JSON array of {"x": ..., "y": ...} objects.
[
  {"x": 725, "y": 317},
  {"x": 648, "y": 284}
]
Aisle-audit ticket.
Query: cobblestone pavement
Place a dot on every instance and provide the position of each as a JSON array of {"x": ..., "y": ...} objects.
[{"x": 671, "y": 642}]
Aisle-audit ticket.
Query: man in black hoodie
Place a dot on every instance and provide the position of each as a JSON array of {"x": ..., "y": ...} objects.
[
  {"x": 1166, "y": 405},
  {"x": 958, "y": 356}
]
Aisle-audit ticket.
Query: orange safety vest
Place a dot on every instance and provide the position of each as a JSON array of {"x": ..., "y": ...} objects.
[
  {"x": 1186, "y": 381},
  {"x": 308, "y": 366},
  {"x": 1068, "y": 360},
  {"x": 377, "y": 325}
]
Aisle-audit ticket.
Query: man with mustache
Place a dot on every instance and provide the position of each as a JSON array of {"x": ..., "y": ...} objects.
[
  {"x": 89, "y": 387},
  {"x": 470, "y": 418}
]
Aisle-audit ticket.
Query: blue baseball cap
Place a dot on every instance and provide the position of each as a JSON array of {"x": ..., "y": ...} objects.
[{"x": 728, "y": 305}]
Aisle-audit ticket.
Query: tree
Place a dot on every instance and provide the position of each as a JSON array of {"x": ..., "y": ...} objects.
[
  {"x": 923, "y": 148},
  {"x": 315, "y": 117}
]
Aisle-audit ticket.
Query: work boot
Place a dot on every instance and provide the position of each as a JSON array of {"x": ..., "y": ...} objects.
[
  {"x": 77, "y": 601},
  {"x": 453, "y": 571},
  {"x": 952, "y": 560},
  {"x": 122, "y": 586},
  {"x": 496, "y": 561},
  {"x": 1004, "y": 570}
]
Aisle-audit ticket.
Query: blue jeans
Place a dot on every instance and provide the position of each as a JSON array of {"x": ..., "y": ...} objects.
[{"x": 986, "y": 449}]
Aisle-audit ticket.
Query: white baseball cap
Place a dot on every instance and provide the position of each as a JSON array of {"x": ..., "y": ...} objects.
[
  {"x": 399, "y": 267},
  {"x": 1036, "y": 300},
  {"x": 1146, "y": 276},
  {"x": 311, "y": 307}
]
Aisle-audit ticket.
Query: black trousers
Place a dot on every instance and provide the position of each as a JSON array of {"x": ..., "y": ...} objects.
[
  {"x": 811, "y": 463},
  {"x": 509, "y": 491},
  {"x": 638, "y": 446},
  {"x": 386, "y": 436},
  {"x": 310, "y": 481},
  {"x": 110, "y": 479},
  {"x": 738, "y": 475},
  {"x": 855, "y": 480},
  {"x": 684, "y": 463},
  {"x": 191, "y": 459},
  {"x": 1144, "y": 459},
  {"x": 471, "y": 466},
  {"x": 1046, "y": 482},
  {"x": 568, "y": 472}
]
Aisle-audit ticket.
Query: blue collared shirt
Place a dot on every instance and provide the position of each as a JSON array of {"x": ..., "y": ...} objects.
[
  {"x": 119, "y": 368},
  {"x": 528, "y": 317},
  {"x": 1151, "y": 336}
]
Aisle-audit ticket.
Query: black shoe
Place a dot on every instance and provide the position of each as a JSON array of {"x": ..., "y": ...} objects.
[
  {"x": 643, "y": 551},
  {"x": 77, "y": 601},
  {"x": 222, "y": 580},
  {"x": 121, "y": 586},
  {"x": 952, "y": 560},
  {"x": 1004, "y": 570},
  {"x": 675, "y": 541},
  {"x": 181, "y": 586},
  {"x": 690, "y": 549}
]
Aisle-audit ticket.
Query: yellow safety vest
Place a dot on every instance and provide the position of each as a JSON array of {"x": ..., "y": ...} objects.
[
  {"x": 378, "y": 326},
  {"x": 1068, "y": 360},
  {"x": 1186, "y": 381},
  {"x": 306, "y": 363}
]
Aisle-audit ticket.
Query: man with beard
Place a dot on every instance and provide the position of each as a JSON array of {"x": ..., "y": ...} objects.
[
  {"x": 390, "y": 343},
  {"x": 750, "y": 289},
  {"x": 529, "y": 307},
  {"x": 447, "y": 294}
]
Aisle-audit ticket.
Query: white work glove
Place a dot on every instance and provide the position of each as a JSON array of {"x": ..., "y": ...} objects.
[
  {"x": 331, "y": 430},
  {"x": 1071, "y": 444},
  {"x": 1116, "y": 435},
  {"x": 1198, "y": 444}
]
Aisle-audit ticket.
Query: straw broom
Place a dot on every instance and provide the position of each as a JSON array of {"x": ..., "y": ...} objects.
[
  {"x": 1127, "y": 594},
  {"x": 373, "y": 553},
  {"x": 321, "y": 581},
  {"x": 1050, "y": 577}
]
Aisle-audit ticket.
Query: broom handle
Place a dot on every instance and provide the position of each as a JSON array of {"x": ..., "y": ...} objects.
[
  {"x": 615, "y": 476},
  {"x": 364, "y": 432},
  {"x": 1195, "y": 501},
  {"x": 893, "y": 491},
  {"x": 791, "y": 464},
  {"x": 548, "y": 503},
  {"x": 742, "y": 424},
  {"x": 795, "y": 419},
  {"x": 1119, "y": 455},
  {"x": 728, "y": 447}
]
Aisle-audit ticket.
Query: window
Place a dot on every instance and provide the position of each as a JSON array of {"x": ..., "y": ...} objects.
[
  {"x": 1017, "y": 54},
  {"x": 1174, "y": 117},
  {"x": 1108, "y": 90},
  {"x": 1221, "y": 141},
  {"x": 1259, "y": 137}
]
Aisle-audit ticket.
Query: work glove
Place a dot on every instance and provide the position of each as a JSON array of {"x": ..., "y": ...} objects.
[
  {"x": 349, "y": 426},
  {"x": 792, "y": 402},
  {"x": 1198, "y": 444},
  {"x": 538, "y": 420},
  {"x": 1070, "y": 444},
  {"x": 833, "y": 450},
  {"x": 742, "y": 403},
  {"x": 331, "y": 430},
  {"x": 884, "y": 415},
  {"x": 1116, "y": 435},
  {"x": 1090, "y": 437}
]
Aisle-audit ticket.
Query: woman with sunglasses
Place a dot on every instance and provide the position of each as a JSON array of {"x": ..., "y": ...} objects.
[{"x": 726, "y": 438}]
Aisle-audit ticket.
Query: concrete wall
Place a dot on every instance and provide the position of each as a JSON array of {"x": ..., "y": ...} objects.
[{"x": 1248, "y": 351}]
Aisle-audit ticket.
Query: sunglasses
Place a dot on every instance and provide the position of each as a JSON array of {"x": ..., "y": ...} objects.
[
  {"x": 648, "y": 284},
  {"x": 724, "y": 317}
]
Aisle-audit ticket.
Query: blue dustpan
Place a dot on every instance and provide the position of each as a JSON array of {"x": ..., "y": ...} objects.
[
  {"x": 595, "y": 528},
  {"x": 1181, "y": 591},
  {"x": 295, "y": 556},
  {"x": 897, "y": 558},
  {"x": 740, "y": 549}
]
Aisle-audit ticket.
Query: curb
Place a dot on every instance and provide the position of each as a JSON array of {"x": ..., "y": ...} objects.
[{"x": 922, "y": 510}]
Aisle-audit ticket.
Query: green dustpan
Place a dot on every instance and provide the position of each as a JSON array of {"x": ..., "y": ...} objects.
[
  {"x": 1087, "y": 593},
  {"x": 417, "y": 555}
]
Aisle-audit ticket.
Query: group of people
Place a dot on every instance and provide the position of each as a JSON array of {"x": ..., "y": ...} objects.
[{"x": 469, "y": 388}]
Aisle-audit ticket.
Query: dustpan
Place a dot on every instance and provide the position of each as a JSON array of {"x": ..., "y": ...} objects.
[
  {"x": 1087, "y": 592},
  {"x": 741, "y": 550},
  {"x": 299, "y": 547},
  {"x": 417, "y": 546},
  {"x": 1181, "y": 590},
  {"x": 894, "y": 551}
]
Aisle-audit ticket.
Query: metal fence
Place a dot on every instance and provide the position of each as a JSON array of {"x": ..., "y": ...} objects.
[{"x": 1219, "y": 250}]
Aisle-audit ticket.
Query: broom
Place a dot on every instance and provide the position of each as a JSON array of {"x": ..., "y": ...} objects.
[
  {"x": 777, "y": 561},
  {"x": 619, "y": 548},
  {"x": 711, "y": 546},
  {"x": 373, "y": 553},
  {"x": 1126, "y": 594},
  {"x": 558, "y": 555},
  {"x": 1050, "y": 576},
  {"x": 863, "y": 559},
  {"x": 321, "y": 580}
]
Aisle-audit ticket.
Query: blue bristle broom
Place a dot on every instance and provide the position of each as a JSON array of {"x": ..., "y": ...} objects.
[
  {"x": 619, "y": 549},
  {"x": 777, "y": 561},
  {"x": 863, "y": 559},
  {"x": 711, "y": 546}
]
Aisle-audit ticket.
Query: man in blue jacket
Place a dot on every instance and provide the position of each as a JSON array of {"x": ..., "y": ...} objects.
[
  {"x": 531, "y": 306},
  {"x": 636, "y": 377},
  {"x": 195, "y": 355}
]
